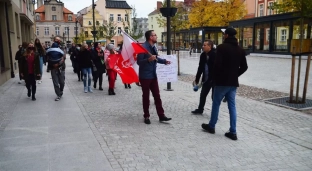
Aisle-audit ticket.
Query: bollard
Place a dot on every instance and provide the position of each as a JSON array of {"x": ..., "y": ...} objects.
[{"x": 178, "y": 61}]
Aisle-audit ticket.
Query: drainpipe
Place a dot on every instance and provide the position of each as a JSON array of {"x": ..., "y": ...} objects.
[{"x": 9, "y": 39}]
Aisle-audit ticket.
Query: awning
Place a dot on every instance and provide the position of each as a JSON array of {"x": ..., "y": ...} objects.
[
  {"x": 89, "y": 41},
  {"x": 101, "y": 41}
]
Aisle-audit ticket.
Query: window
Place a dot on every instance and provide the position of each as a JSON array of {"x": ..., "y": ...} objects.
[
  {"x": 66, "y": 30},
  {"x": 126, "y": 17},
  {"x": 86, "y": 34},
  {"x": 70, "y": 18},
  {"x": 37, "y": 31},
  {"x": 267, "y": 35},
  {"x": 283, "y": 35},
  {"x": 53, "y": 17},
  {"x": 111, "y": 31},
  {"x": 119, "y": 30},
  {"x": 57, "y": 31},
  {"x": 111, "y": 17},
  {"x": 152, "y": 26},
  {"x": 90, "y": 23},
  {"x": 37, "y": 17},
  {"x": 76, "y": 30},
  {"x": 270, "y": 11},
  {"x": 97, "y": 23},
  {"x": 53, "y": 8},
  {"x": 127, "y": 30},
  {"x": 112, "y": 42},
  {"x": 119, "y": 17},
  {"x": 46, "y": 31},
  {"x": 261, "y": 10}
]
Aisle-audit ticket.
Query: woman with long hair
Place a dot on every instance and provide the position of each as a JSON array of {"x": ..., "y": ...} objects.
[
  {"x": 98, "y": 59},
  {"x": 30, "y": 65},
  {"x": 85, "y": 64},
  {"x": 42, "y": 54},
  {"x": 111, "y": 73}
]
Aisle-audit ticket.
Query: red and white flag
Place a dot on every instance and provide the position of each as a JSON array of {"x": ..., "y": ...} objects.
[{"x": 126, "y": 65}]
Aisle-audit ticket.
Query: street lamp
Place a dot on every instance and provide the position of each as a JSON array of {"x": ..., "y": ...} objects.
[
  {"x": 94, "y": 32},
  {"x": 168, "y": 12},
  {"x": 63, "y": 36},
  {"x": 67, "y": 34},
  {"x": 76, "y": 38}
]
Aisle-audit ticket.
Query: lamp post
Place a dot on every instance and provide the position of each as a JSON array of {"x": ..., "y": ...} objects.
[
  {"x": 76, "y": 38},
  {"x": 94, "y": 32},
  {"x": 67, "y": 34},
  {"x": 64, "y": 37},
  {"x": 168, "y": 12}
]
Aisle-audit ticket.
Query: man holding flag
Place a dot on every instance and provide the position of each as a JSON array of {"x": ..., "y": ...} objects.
[{"x": 147, "y": 76}]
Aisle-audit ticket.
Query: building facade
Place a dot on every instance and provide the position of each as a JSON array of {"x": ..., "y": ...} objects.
[
  {"x": 116, "y": 11},
  {"x": 142, "y": 25},
  {"x": 16, "y": 26},
  {"x": 153, "y": 24},
  {"x": 53, "y": 19}
]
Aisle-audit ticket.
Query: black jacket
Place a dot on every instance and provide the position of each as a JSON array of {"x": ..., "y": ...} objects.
[
  {"x": 85, "y": 59},
  {"x": 230, "y": 63},
  {"x": 97, "y": 58},
  {"x": 211, "y": 55}
]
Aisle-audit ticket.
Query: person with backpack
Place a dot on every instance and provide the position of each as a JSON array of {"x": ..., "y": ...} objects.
[
  {"x": 18, "y": 56},
  {"x": 56, "y": 63}
]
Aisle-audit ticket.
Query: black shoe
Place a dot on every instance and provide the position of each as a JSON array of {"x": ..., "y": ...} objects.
[
  {"x": 147, "y": 121},
  {"x": 224, "y": 100},
  {"x": 78, "y": 79},
  {"x": 101, "y": 88},
  {"x": 111, "y": 92},
  {"x": 231, "y": 136},
  {"x": 94, "y": 85},
  {"x": 126, "y": 86},
  {"x": 129, "y": 86},
  {"x": 29, "y": 93},
  {"x": 164, "y": 119},
  {"x": 197, "y": 111},
  {"x": 33, "y": 98},
  {"x": 208, "y": 129}
]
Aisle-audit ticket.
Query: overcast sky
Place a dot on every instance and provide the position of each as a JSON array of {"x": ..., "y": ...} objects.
[{"x": 143, "y": 7}]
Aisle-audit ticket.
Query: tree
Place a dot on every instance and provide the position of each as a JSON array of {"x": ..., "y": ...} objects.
[
  {"x": 81, "y": 37},
  {"x": 211, "y": 13},
  {"x": 100, "y": 33},
  {"x": 179, "y": 21},
  {"x": 303, "y": 9},
  {"x": 109, "y": 30},
  {"x": 133, "y": 30}
]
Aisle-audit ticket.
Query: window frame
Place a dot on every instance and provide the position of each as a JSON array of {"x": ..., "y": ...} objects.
[
  {"x": 119, "y": 17},
  {"x": 37, "y": 31},
  {"x": 46, "y": 31},
  {"x": 54, "y": 17},
  {"x": 111, "y": 17},
  {"x": 283, "y": 36},
  {"x": 57, "y": 30},
  {"x": 261, "y": 7},
  {"x": 53, "y": 8}
]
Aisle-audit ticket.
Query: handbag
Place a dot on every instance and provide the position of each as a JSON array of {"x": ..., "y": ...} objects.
[{"x": 93, "y": 67}]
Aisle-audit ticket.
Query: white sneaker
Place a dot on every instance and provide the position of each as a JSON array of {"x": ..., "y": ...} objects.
[{"x": 39, "y": 82}]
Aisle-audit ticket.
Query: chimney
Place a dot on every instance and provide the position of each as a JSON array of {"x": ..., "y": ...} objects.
[{"x": 159, "y": 4}]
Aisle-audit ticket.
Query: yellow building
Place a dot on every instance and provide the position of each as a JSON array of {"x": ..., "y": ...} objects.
[
  {"x": 105, "y": 11},
  {"x": 86, "y": 21}
]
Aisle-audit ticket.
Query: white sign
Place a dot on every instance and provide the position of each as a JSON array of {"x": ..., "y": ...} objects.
[{"x": 167, "y": 73}]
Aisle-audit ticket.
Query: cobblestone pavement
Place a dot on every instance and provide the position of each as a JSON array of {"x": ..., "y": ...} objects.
[{"x": 269, "y": 137}]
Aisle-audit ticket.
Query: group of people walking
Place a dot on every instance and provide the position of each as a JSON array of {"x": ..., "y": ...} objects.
[{"x": 218, "y": 69}]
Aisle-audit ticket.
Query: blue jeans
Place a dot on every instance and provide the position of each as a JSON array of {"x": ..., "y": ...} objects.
[
  {"x": 41, "y": 65},
  {"x": 229, "y": 93},
  {"x": 86, "y": 72}
]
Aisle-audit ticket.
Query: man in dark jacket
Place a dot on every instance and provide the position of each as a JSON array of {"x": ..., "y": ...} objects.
[
  {"x": 148, "y": 78},
  {"x": 230, "y": 63},
  {"x": 205, "y": 69}
]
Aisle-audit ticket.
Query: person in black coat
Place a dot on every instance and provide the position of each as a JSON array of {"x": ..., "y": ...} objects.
[
  {"x": 98, "y": 60},
  {"x": 205, "y": 69},
  {"x": 230, "y": 63},
  {"x": 85, "y": 64}
]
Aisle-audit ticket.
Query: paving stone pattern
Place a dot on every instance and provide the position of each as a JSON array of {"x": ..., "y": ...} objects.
[{"x": 269, "y": 137}]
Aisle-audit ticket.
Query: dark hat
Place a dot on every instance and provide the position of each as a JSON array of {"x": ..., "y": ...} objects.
[{"x": 230, "y": 31}]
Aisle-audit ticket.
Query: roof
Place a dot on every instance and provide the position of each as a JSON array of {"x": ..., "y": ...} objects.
[
  {"x": 156, "y": 11},
  {"x": 117, "y": 4},
  {"x": 41, "y": 9}
]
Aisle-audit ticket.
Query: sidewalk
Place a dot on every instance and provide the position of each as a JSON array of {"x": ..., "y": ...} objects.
[
  {"x": 94, "y": 131},
  {"x": 46, "y": 135}
]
